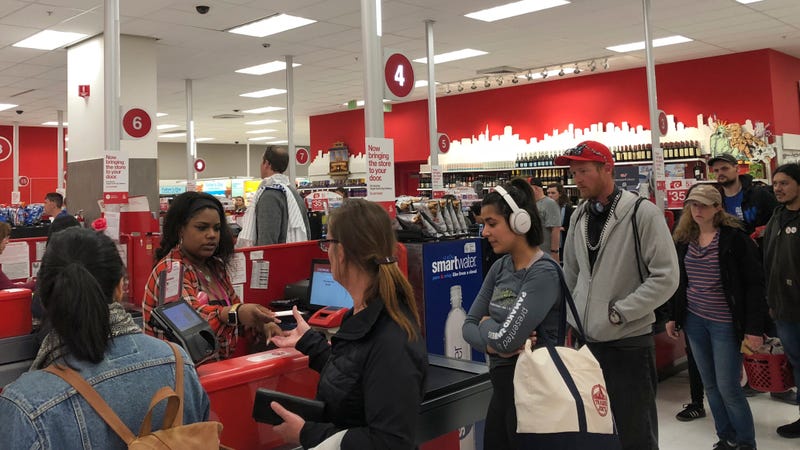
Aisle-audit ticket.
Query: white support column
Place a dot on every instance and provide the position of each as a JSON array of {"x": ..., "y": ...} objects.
[
  {"x": 658, "y": 152},
  {"x": 112, "y": 83},
  {"x": 432, "y": 124},
  {"x": 60, "y": 175},
  {"x": 373, "y": 63},
  {"x": 290, "y": 117},
  {"x": 191, "y": 150}
]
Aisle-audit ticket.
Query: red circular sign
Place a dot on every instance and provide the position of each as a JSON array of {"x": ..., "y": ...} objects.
[
  {"x": 444, "y": 143},
  {"x": 136, "y": 123},
  {"x": 399, "y": 75},
  {"x": 5, "y": 149},
  {"x": 302, "y": 156},
  {"x": 663, "y": 124},
  {"x": 199, "y": 165},
  {"x": 24, "y": 181}
]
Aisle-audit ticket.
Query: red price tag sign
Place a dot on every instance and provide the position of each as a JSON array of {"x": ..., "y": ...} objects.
[
  {"x": 398, "y": 75},
  {"x": 319, "y": 204},
  {"x": 136, "y": 123},
  {"x": 676, "y": 192}
]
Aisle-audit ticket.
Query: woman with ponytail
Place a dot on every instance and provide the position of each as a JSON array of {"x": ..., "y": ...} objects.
[
  {"x": 373, "y": 371},
  {"x": 80, "y": 284},
  {"x": 520, "y": 294}
]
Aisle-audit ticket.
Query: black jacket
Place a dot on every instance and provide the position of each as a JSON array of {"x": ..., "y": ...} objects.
[
  {"x": 371, "y": 380},
  {"x": 757, "y": 204},
  {"x": 742, "y": 280},
  {"x": 782, "y": 264}
]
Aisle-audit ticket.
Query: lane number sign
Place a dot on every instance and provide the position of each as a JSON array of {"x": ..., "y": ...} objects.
[
  {"x": 136, "y": 123},
  {"x": 398, "y": 75}
]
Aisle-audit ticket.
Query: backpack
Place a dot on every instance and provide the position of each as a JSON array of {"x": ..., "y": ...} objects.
[{"x": 172, "y": 435}]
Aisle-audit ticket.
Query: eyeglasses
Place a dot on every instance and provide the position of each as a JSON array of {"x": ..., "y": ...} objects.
[
  {"x": 325, "y": 244},
  {"x": 581, "y": 148}
]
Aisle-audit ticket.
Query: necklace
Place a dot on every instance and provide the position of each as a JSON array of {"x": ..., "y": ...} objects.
[{"x": 595, "y": 247}]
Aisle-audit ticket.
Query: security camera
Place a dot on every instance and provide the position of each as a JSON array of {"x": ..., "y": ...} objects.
[
  {"x": 265, "y": 45},
  {"x": 202, "y": 9},
  {"x": 19, "y": 111},
  {"x": 235, "y": 142}
]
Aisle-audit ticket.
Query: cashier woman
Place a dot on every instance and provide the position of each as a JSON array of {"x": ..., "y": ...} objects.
[
  {"x": 373, "y": 371},
  {"x": 192, "y": 261}
]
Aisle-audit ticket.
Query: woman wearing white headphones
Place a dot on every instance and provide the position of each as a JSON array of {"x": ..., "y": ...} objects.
[{"x": 520, "y": 295}]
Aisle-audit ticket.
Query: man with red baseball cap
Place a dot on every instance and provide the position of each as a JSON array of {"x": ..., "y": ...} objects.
[{"x": 617, "y": 287}]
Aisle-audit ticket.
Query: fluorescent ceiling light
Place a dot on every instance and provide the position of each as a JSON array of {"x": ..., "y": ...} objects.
[
  {"x": 361, "y": 102},
  {"x": 265, "y": 109},
  {"x": 203, "y": 139},
  {"x": 262, "y": 122},
  {"x": 265, "y": 130},
  {"x": 514, "y": 9},
  {"x": 262, "y": 69},
  {"x": 52, "y": 123},
  {"x": 261, "y": 138},
  {"x": 280, "y": 142},
  {"x": 550, "y": 73},
  {"x": 271, "y": 25},
  {"x": 172, "y": 135},
  {"x": 264, "y": 93},
  {"x": 746, "y": 2},
  {"x": 166, "y": 126},
  {"x": 161, "y": 114},
  {"x": 5, "y": 106},
  {"x": 422, "y": 83},
  {"x": 634, "y": 46},
  {"x": 50, "y": 40},
  {"x": 452, "y": 56}
]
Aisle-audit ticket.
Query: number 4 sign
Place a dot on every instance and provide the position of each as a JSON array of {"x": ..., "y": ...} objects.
[{"x": 398, "y": 76}]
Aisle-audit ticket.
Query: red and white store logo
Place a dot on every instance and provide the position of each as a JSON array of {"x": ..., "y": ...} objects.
[
  {"x": 5, "y": 149},
  {"x": 600, "y": 399}
]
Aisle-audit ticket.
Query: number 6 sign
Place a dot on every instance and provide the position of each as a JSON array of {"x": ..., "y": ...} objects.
[{"x": 136, "y": 124}]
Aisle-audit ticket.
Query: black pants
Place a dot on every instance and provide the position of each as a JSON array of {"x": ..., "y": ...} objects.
[
  {"x": 501, "y": 418},
  {"x": 629, "y": 368},
  {"x": 695, "y": 382}
]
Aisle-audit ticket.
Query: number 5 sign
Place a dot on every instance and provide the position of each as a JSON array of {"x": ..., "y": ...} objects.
[
  {"x": 136, "y": 124},
  {"x": 398, "y": 76}
]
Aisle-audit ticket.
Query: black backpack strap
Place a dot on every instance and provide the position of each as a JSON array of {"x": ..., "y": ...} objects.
[
  {"x": 569, "y": 302},
  {"x": 637, "y": 240}
]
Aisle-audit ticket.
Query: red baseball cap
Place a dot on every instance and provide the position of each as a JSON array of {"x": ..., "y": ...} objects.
[{"x": 586, "y": 151}]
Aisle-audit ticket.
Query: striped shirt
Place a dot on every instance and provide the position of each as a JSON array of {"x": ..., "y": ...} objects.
[{"x": 704, "y": 294}]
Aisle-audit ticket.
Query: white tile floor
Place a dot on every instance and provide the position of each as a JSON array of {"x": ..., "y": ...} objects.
[{"x": 699, "y": 434}]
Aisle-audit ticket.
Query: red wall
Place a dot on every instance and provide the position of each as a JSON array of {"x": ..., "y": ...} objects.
[
  {"x": 758, "y": 85},
  {"x": 38, "y": 150}
]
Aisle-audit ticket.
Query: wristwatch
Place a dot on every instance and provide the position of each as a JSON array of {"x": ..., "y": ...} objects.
[
  {"x": 233, "y": 314},
  {"x": 614, "y": 317}
]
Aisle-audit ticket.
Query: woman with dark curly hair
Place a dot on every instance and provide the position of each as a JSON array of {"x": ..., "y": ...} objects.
[{"x": 197, "y": 241}]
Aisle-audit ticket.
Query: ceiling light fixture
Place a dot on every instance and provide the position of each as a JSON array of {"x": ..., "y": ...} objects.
[
  {"x": 50, "y": 40},
  {"x": 51, "y": 123},
  {"x": 262, "y": 138},
  {"x": 452, "y": 56},
  {"x": 172, "y": 135},
  {"x": 592, "y": 66},
  {"x": 271, "y": 25},
  {"x": 264, "y": 93},
  {"x": 165, "y": 126},
  {"x": 514, "y": 9},
  {"x": 529, "y": 75},
  {"x": 486, "y": 83},
  {"x": 577, "y": 70},
  {"x": 265, "y": 130},
  {"x": 447, "y": 89},
  {"x": 747, "y": 2},
  {"x": 161, "y": 114},
  {"x": 262, "y": 69},
  {"x": 203, "y": 139},
  {"x": 605, "y": 64},
  {"x": 474, "y": 86},
  {"x": 515, "y": 79},
  {"x": 262, "y": 122},
  {"x": 545, "y": 73},
  {"x": 265, "y": 109},
  {"x": 661, "y": 42},
  {"x": 499, "y": 81},
  {"x": 561, "y": 72},
  {"x": 460, "y": 87}
]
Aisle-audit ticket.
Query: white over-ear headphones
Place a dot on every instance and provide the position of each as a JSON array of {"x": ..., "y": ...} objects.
[{"x": 520, "y": 220}]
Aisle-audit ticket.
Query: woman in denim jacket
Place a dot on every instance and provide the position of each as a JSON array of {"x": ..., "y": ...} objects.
[{"x": 80, "y": 283}]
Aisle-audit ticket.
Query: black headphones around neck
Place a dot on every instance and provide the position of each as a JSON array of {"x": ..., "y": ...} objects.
[{"x": 597, "y": 208}]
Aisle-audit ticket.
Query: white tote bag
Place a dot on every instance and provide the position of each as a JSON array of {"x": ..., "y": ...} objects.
[{"x": 334, "y": 442}]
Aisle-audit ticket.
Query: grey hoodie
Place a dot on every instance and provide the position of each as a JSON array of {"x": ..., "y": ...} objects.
[{"x": 615, "y": 280}]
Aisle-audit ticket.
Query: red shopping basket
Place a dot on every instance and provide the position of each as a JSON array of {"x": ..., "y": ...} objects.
[{"x": 768, "y": 373}]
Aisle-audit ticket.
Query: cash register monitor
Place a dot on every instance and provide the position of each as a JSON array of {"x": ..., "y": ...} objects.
[
  {"x": 324, "y": 291},
  {"x": 327, "y": 299}
]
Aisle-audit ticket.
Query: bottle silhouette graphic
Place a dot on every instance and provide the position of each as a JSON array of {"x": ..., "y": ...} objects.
[{"x": 456, "y": 347}]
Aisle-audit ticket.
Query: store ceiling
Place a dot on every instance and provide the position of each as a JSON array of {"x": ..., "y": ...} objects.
[{"x": 193, "y": 46}]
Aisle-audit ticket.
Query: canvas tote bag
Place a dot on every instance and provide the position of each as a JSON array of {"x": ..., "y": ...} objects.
[{"x": 560, "y": 395}]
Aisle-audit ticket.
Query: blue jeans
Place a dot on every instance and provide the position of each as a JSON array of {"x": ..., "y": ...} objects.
[
  {"x": 789, "y": 332},
  {"x": 716, "y": 352}
]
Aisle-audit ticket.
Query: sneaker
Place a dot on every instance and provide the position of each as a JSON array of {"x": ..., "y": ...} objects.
[
  {"x": 789, "y": 396},
  {"x": 790, "y": 431},
  {"x": 724, "y": 445},
  {"x": 690, "y": 412},
  {"x": 749, "y": 392}
]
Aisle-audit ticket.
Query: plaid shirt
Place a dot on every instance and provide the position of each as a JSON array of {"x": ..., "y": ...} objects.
[{"x": 226, "y": 335}]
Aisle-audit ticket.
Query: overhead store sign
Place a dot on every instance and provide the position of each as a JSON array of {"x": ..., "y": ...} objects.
[
  {"x": 136, "y": 124},
  {"x": 398, "y": 76}
]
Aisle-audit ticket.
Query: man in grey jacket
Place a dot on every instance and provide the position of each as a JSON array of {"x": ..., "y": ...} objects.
[
  {"x": 275, "y": 222},
  {"x": 615, "y": 291}
]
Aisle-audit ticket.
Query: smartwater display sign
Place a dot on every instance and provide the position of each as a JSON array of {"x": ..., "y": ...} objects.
[{"x": 452, "y": 276}]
